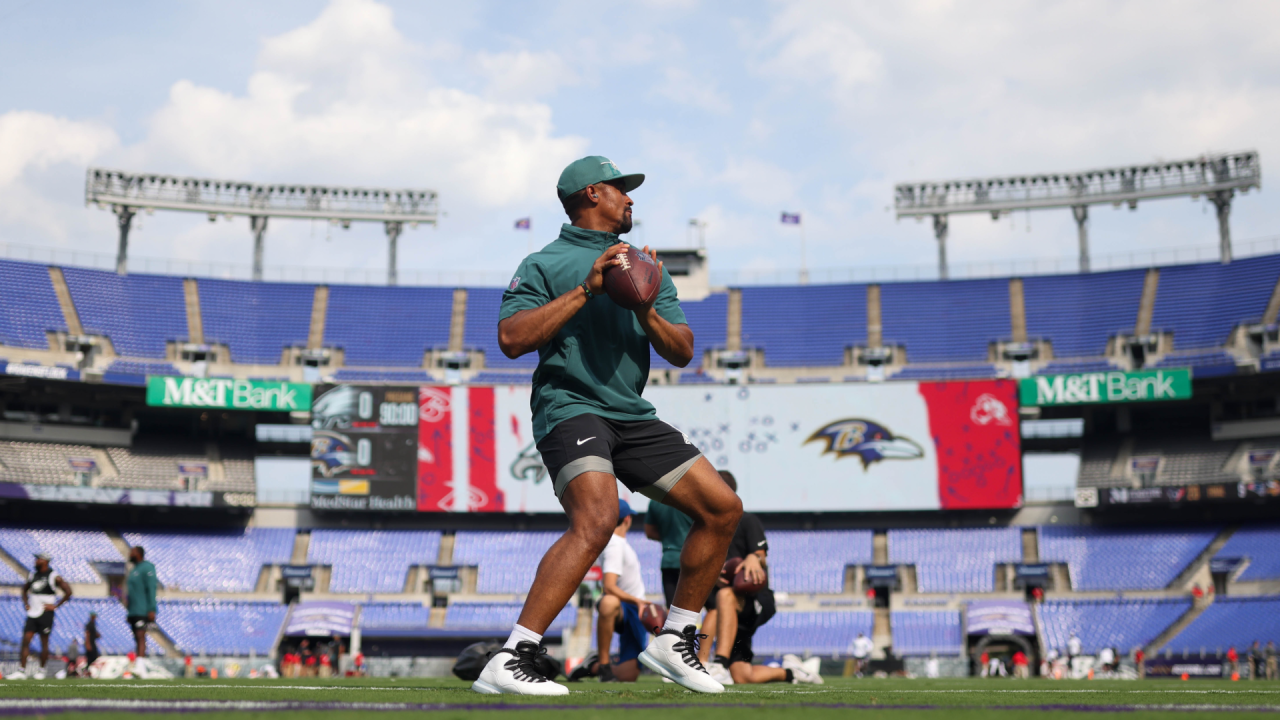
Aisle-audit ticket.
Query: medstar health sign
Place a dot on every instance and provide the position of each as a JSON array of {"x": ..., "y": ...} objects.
[
  {"x": 1107, "y": 387},
  {"x": 225, "y": 393}
]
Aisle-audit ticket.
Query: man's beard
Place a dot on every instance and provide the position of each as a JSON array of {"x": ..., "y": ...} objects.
[{"x": 625, "y": 226}]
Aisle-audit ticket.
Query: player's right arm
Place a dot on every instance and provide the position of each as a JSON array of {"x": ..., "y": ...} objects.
[
  {"x": 611, "y": 588},
  {"x": 530, "y": 329}
]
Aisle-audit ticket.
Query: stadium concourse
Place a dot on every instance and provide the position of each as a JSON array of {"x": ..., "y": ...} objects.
[{"x": 1125, "y": 565}]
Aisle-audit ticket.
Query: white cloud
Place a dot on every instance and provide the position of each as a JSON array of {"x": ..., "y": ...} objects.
[
  {"x": 31, "y": 140},
  {"x": 525, "y": 75}
]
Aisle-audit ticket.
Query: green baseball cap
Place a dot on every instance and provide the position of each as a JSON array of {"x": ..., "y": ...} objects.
[{"x": 591, "y": 170}]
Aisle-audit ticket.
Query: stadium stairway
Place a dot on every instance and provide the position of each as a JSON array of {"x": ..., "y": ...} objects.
[
  {"x": 1197, "y": 571},
  {"x": 881, "y": 633},
  {"x": 1197, "y": 609}
]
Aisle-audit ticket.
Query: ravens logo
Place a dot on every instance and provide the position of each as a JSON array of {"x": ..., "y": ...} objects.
[{"x": 870, "y": 441}]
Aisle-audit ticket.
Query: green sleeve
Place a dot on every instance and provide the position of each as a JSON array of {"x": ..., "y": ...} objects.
[
  {"x": 149, "y": 589},
  {"x": 528, "y": 289},
  {"x": 668, "y": 303}
]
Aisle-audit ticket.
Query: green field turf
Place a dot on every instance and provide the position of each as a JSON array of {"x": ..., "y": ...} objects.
[{"x": 899, "y": 699}]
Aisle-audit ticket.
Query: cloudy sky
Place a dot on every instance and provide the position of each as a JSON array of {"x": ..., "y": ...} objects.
[{"x": 736, "y": 111}]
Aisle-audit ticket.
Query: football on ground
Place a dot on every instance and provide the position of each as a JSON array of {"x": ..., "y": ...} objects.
[{"x": 635, "y": 281}]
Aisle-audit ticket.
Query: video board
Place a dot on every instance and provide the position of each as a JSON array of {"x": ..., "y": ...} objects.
[{"x": 793, "y": 448}]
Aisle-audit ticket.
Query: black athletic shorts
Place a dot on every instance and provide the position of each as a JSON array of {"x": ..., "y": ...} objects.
[
  {"x": 42, "y": 625},
  {"x": 648, "y": 456},
  {"x": 670, "y": 576},
  {"x": 137, "y": 622}
]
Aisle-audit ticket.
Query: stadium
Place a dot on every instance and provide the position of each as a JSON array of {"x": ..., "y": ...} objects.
[{"x": 971, "y": 487}]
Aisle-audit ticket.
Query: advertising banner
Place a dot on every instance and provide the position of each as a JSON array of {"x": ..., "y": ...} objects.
[
  {"x": 321, "y": 618},
  {"x": 1000, "y": 617},
  {"x": 226, "y": 393},
  {"x": 1117, "y": 386},
  {"x": 1238, "y": 492},
  {"x": 892, "y": 446}
]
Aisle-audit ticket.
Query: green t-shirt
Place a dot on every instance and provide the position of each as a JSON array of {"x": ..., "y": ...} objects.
[
  {"x": 140, "y": 588},
  {"x": 673, "y": 526},
  {"x": 599, "y": 361}
]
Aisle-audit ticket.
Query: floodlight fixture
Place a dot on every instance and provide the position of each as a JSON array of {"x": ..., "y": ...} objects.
[
  {"x": 1216, "y": 176},
  {"x": 127, "y": 192}
]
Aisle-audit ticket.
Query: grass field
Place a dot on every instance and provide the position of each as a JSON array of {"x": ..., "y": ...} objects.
[{"x": 867, "y": 698}]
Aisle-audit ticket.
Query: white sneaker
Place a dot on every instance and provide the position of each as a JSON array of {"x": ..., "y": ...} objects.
[
  {"x": 803, "y": 671},
  {"x": 17, "y": 675},
  {"x": 39, "y": 674},
  {"x": 720, "y": 674},
  {"x": 675, "y": 655},
  {"x": 512, "y": 672}
]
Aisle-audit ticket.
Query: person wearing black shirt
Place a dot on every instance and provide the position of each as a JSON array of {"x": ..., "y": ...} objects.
[
  {"x": 91, "y": 636},
  {"x": 738, "y": 616}
]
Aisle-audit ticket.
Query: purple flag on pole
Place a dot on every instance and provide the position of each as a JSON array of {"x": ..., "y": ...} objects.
[
  {"x": 790, "y": 218},
  {"x": 524, "y": 224}
]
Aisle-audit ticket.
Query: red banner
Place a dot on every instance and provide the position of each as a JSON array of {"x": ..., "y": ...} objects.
[
  {"x": 435, "y": 450},
  {"x": 978, "y": 445},
  {"x": 485, "y": 495}
]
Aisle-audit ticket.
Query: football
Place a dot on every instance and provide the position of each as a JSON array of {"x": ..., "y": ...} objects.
[
  {"x": 729, "y": 574},
  {"x": 635, "y": 281},
  {"x": 653, "y": 617}
]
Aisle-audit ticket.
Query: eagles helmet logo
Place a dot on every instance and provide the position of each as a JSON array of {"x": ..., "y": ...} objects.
[{"x": 870, "y": 441}]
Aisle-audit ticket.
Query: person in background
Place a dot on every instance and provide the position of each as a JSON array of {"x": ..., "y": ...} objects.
[
  {"x": 91, "y": 636},
  {"x": 1233, "y": 661},
  {"x": 141, "y": 602},
  {"x": 1021, "y": 668},
  {"x": 1074, "y": 650},
  {"x": 1256, "y": 659},
  {"x": 40, "y": 598},
  {"x": 1273, "y": 671},
  {"x": 619, "y": 608},
  {"x": 1107, "y": 659},
  {"x": 670, "y": 527},
  {"x": 862, "y": 647},
  {"x": 1139, "y": 659}
]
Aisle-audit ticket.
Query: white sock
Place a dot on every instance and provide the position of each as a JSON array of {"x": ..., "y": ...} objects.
[
  {"x": 519, "y": 634},
  {"x": 678, "y": 618}
]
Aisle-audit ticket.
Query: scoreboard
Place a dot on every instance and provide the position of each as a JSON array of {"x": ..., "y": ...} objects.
[{"x": 364, "y": 448}]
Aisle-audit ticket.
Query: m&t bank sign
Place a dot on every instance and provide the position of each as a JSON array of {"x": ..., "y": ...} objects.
[
  {"x": 225, "y": 393},
  {"x": 1106, "y": 387}
]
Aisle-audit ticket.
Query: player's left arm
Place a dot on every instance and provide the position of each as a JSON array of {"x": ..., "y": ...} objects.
[
  {"x": 611, "y": 588},
  {"x": 65, "y": 587},
  {"x": 672, "y": 341}
]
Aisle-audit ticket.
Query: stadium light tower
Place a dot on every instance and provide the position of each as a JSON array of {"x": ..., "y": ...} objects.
[
  {"x": 126, "y": 193},
  {"x": 1217, "y": 177}
]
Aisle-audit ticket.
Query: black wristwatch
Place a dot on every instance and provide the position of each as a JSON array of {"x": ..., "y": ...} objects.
[{"x": 587, "y": 290}]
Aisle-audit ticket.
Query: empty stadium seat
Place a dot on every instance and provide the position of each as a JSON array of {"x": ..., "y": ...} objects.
[
  {"x": 708, "y": 319},
  {"x": 955, "y": 560},
  {"x": 814, "y": 561},
  {"x": 1123, "y": 624},
  {"x": 214, "y": 560},
  {"x": 1261, "y": 546},
  {"x": 816, "y": 633},
  {"x": 946, "y": 372},
  {"x": 1122, "y": 559},
  {"x": 256, "y": 320},
  {"x": 1068, "y": 367},
  {"x": 924, "y": 632},
  {"x": 1230, "y": 622},
  {"x": 952, "y": 321},
  {"x": 140, "y": 313},
  {"x": 1201, "y": 303},
  {"x": 392, "y": 619},
  {"x": 221, "y": 627},
  {"x": 366, "y": 561},
  {"x": 39, "y": 463},
  {"x": 73, "y": 550},
  {"x": 506, "y": 561},
  {"x": 483, "y": 306},
  {"x": 387, "y": 326},
  {"x": 387, "y": 376},
  {"x": 28, "y": 306},
  {"x": 499, "y": 616},
  {"x": 502, "y": 378},
  {"x": 1203, "y": 363},
  {"x": 1079, "y": 313},
  {"x": 804, "y": 325}
]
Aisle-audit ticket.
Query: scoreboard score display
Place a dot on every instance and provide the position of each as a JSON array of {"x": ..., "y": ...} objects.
[{"x": 364, "y": 448}]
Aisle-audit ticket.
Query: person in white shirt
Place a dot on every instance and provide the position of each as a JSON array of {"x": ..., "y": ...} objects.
[
  {"x": 619, "y": 609},
  {"x": 1107, "y": 658},
  {"x": 1074, "y": 650},
  {"x": 862, "y": 647}
]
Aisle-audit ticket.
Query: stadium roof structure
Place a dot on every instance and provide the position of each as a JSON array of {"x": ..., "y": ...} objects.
[
  {"x": 128, "y": 192},
  {"x": 1217, "y": 177}
]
